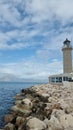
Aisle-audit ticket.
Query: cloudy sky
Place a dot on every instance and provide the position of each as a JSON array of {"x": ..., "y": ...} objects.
[{"x": 31, "y": 36}]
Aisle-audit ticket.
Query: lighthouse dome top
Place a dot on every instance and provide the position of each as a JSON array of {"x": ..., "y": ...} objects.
[
  {"x": 67, "y": 44},
  {"x": 66, "y": 41}
]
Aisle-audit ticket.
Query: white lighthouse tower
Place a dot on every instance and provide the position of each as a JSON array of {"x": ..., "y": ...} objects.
[{"x": 67, "y": 56}]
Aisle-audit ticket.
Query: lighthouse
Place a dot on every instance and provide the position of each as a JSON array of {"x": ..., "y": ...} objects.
[
  {"x": 67, "y": 75},
  {"x": 67, "y": 56}
]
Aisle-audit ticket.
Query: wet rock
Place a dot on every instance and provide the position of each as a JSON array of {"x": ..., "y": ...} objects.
[
  {"x": 18, "y": 97},
  {"x": 20, "y": 120},
  {"x": 22, "y": 127},
  {"x": 22, "y": 90},
  {"x": 18, "y": 102},
  {"x": 35, "y": 123},
  {"x": 9, "y": 118},
  {"x": 9, "y": 126}
]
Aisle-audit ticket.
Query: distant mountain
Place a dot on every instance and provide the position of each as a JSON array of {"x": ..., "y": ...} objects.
[
  {"x": 13, "y": 78},
  {"x": 9, "y": 77}
]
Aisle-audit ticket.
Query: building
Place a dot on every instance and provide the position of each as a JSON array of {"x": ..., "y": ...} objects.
[
  {"x": 67, "y": 65},
  {"x": 60, "y": 78}
]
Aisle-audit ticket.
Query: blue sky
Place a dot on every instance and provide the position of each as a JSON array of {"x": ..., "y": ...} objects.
[{"x": 31, "y": 36}]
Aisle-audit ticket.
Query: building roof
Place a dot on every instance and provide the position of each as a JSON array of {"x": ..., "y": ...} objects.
[{"x": 62, "y": 75}]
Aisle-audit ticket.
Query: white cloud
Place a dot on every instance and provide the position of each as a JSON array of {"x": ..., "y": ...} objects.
[
  {"x": 42, "y": 12},
  {"x": 31, "y": 69},
  {"x": 37, "y": 10},
  {"x": 50, "y": 10},
  {"x": 9, "y": 14},
  {"x": 20, "y": 39}
]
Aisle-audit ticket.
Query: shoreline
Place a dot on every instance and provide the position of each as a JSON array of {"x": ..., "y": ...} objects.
[{"x": 42, "y": 107}]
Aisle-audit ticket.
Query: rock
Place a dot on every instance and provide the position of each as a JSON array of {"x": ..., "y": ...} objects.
[
  {"x": 24, "y": 104},
  {"x": 57, "y": 113},
  {"x": 69, "y": 128},
  {"x": 18, "y": 97},
  {"x": 56, "y": 106},
  {"x": 48, "y": 110},
  {"x": 54, "y": 124},
  {"x": 26, "y": 101},
  {"x": 22, "y": 90},
  {"x": 46, "y": 121},
  {"x": 63, "y": 104},
  {"x": 35, "y": 124},
  {"x": 66, "y": 120},
  {"x": 8, "y": 118},
  {"x": 29, "y": 96},
  {"x": 18, "y": 102},
  {"x": 21, "y": 109},
  {"x": 19, "y": 120},
  {"x": 51, "y": 100},
  {"x": 69, "y": 110},
  {"x": 22, "y": 127},
  {"x": 9, "y": 126},
  {"x": 45, "y": 95}
]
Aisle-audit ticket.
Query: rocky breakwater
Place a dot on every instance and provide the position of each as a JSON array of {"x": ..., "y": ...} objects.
[{"x": 42, "y": 107}]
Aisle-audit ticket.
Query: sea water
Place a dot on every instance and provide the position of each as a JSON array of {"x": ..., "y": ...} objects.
[{"x": 7, "y": 91}]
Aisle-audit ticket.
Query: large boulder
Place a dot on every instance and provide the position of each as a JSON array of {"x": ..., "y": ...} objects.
[
  {"x": 27, "y": 102},
  {"x": 63, "y": 104},
  {"x": 54, "y": 124},
  {"x": 35, "y": 124},
  {"x": 21, "y": 109},
  {"x": 23, "y": 106},
  {"x": 9, "y": 126},
  {"x": 66, "y": 120},
  {"x": 58, "y": 113}
]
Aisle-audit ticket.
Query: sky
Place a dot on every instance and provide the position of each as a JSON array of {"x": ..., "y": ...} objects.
[{"x": 31, "y": 36}]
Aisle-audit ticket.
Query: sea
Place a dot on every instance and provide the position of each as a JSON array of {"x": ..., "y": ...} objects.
[{"x": 7, "y": 92}]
